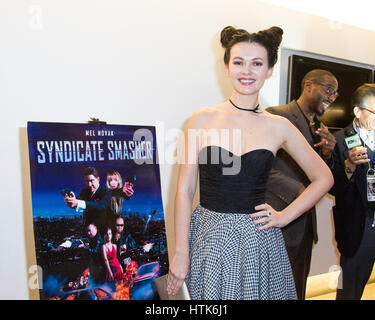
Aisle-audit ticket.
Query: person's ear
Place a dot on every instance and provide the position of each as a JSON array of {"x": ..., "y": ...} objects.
[
  {"x": 269, "y": 73},
  {"x": 357, "y": 112},
  {"x": 307, "y": 86}
]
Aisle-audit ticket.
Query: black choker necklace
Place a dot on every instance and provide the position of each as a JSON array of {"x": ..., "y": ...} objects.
[{"x": 255, "y": 110}]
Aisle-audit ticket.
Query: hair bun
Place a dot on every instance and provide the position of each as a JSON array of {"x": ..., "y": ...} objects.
[
  {"x": 226, "y": 35},
  {"x": 277, "y": 35},
  {"x": 272, "y": 36},
  {"x": 276, "y": 30}
]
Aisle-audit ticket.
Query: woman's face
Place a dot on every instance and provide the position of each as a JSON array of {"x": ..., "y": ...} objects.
[
  {"x": 108, "y": 235},
  {"x": 248, "y": 67},
  {"x": 113, "y": 182}
]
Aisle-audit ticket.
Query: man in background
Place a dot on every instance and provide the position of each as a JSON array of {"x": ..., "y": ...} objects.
[
  {"x": 354, "y": 210},
  {"x": 95, "y": 259},
  {"x": 287, "y": 180}
]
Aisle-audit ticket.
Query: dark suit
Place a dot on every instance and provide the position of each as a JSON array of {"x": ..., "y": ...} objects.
[
  {"x": 285, "y": 181},
  {"x": 95, "y": 259},
  {"x": 97, "y": 207},
  {"x": 353, "y": 216}
]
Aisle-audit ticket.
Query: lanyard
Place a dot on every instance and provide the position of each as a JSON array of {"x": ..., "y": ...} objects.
[
  {"x": 373, "y": 161},
  {"x": 359, "y": 135}
]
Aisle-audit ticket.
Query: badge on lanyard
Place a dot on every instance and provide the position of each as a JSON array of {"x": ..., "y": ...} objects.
[{"x": 370, "y": 179}]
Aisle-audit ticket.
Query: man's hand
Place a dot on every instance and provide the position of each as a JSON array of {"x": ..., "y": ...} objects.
[
  {"x": 358, "y": 156},
  {"x": 328, "y": 142},
  {"x": 71, "y": 200}
]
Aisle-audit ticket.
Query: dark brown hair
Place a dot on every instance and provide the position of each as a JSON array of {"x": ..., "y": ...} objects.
[
  {"x": 91, "y": 171},
  {"x": 270, "y": 39}
]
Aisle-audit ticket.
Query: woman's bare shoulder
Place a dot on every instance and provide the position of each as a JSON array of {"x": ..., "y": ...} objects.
[
  {"x": 278, "y": 122},
  {"x": 203, "y": 115}
]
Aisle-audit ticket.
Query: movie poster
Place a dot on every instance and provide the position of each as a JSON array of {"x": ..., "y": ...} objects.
[{"x": 97, "y": 211}]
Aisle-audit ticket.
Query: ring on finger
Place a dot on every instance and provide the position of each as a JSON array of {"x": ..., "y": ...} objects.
[{"x": 268, "y": 213}]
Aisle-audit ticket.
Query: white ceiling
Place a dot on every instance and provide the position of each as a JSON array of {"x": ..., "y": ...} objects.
[{"x": 358, "y": 13}]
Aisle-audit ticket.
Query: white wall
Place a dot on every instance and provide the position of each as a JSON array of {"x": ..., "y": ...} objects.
[{"x": 126, "y": 62}]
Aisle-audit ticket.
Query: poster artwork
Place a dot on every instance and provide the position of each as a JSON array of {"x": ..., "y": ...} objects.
[{"x": 98, "y": 215}]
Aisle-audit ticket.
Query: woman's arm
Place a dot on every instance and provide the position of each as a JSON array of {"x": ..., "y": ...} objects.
[
  {"x": 106, "y": 263},
  {"x": 186, "y": 186},
  {"x": 314, "y": 167}
]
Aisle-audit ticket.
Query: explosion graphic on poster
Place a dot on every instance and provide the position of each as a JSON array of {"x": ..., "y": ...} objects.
[{"x": 97, "y": 211}]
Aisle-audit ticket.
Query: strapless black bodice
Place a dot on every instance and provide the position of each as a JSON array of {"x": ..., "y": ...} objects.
[{"x": 230, "y": 183}]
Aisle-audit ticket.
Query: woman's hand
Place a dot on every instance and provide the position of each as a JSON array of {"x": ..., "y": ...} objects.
[
  {"x": 269, "y": 216},
  {"x": 128, "y": 189},
  {"x": 177, "y": 272}
]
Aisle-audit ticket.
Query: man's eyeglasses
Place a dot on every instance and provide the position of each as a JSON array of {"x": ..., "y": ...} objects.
[
  {"x": 329, "y": 89},
  {"x": 119, "y": 225},
  {"x": 373, "y": 112}
]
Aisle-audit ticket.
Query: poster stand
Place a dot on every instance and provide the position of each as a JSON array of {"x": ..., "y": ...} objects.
[{"x": 96, "y": 121}]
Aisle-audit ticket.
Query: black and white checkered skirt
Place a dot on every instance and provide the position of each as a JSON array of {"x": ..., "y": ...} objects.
[{"x": 232, "y": 260}]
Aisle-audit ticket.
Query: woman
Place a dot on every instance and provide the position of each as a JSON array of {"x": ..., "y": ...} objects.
[
  {"x": 112, "y": 265},
  {"x": 234, "y": 248},
  {"x": 118, "y": 191}
]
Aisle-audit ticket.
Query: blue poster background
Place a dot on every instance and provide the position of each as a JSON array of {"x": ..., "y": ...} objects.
[{"x": 59, "y": 154}]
